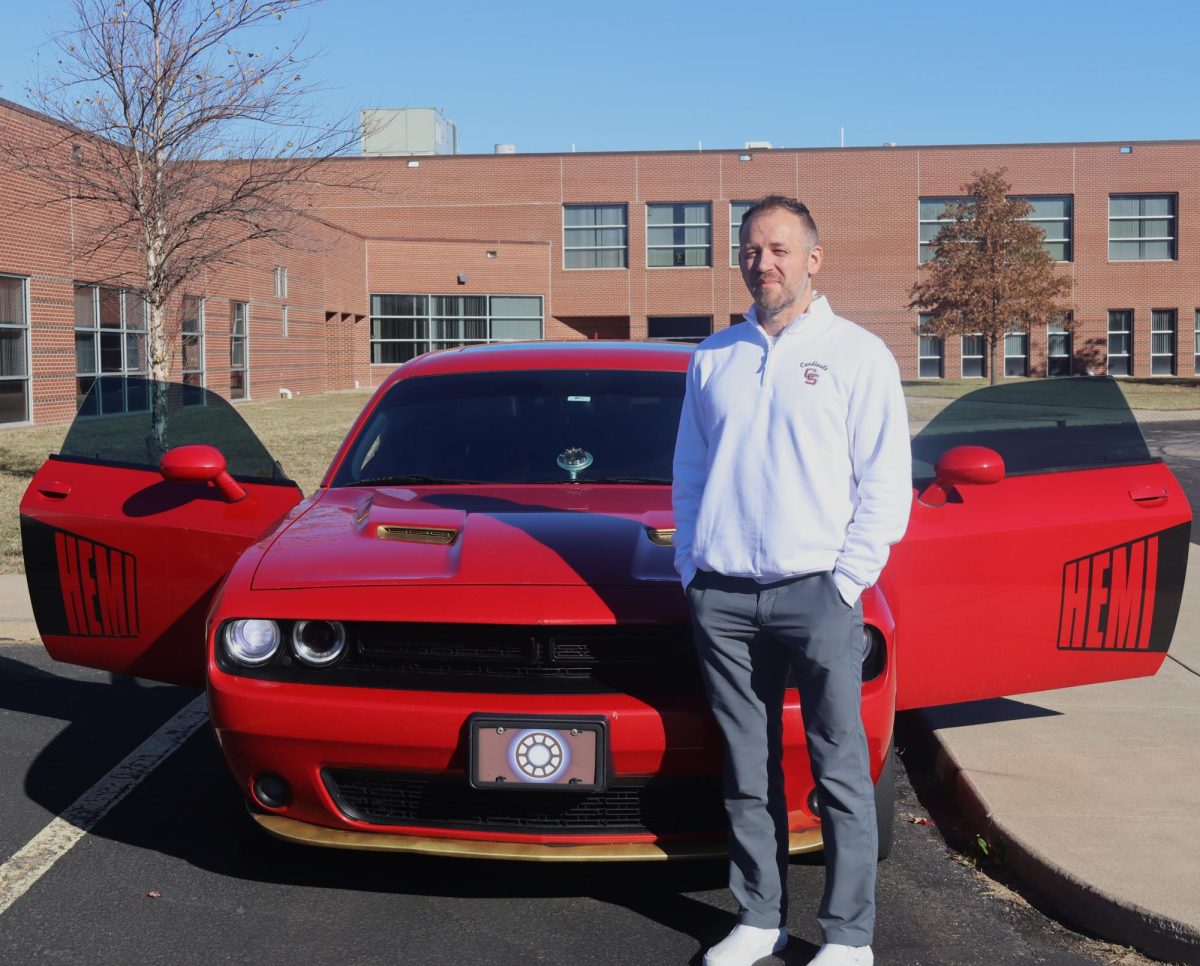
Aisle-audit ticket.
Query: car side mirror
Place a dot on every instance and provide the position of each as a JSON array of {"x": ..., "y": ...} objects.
[
  {"x": 976, "y": 465},
  {"x": 199, "y": 463}
]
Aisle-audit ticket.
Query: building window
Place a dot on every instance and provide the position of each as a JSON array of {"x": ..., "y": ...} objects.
[
  {"x": 280, "y": 282},
  {"x": 1058, "y": 350},
  {"x": 404, "y": 326},
  {"x": 283, "y": 321},
  {"x": 14, "y": 349},
  {"x": 931, "y": 215},
  {"x": 679, "y": 235},
  {"x": 192, "y": 327},
  {"x": 1197, "y": 335},
  {"x": 1162, "y": 342},
  {"x": 1016, "y": 353},
  {"x": 737, "y": 211},
  {"x": 1141, "y": 227},
  {"x": 1120, "y": 342},
  {"x": 679, "y": 328},
  {"x": 239, "y": 317},
  {"x": 1053, "y": 214},
  {"x": 931, "y": 351},
  {"x": 110, "y": 339},
  {"x": 974, "y": 356},
  {"x": 595, "y": 236}
]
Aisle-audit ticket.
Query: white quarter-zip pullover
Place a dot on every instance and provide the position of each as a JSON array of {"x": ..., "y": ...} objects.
[{"x": 793, "y": 453}]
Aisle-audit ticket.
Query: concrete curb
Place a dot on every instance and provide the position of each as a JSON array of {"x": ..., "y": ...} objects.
[{"x": 1101, "y": 913}]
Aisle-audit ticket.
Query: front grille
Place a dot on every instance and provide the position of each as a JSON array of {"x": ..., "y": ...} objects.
[{"x": 663, "y": 806}]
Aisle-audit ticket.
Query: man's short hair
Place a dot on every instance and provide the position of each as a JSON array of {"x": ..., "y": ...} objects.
[{"x": 783, "y": 202}]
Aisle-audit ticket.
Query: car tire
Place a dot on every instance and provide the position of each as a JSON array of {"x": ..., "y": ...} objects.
[{"x": 885, "y": 804}]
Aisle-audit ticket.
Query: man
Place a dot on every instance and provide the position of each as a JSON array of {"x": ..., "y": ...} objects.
[{"x": 792, "y": 479}]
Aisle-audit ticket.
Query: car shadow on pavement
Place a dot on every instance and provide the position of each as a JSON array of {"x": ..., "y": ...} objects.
[{"x": 989, "y": 711}]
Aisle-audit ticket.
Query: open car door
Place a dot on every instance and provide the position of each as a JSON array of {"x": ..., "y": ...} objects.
[
  {"x": 121, "y": 561},
  {"x": 1064, "y": 567}
]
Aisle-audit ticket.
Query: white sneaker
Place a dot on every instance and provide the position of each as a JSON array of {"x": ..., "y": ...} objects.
[
  {"x": 746, "y": 945},
  {"x": 833, "y": 954}
]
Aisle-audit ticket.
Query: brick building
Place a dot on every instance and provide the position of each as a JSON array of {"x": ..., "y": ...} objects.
[{"x": 445, "y": 250}]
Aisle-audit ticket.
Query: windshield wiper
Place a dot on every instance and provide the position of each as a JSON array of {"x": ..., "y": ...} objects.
[{"x": 410, "y": 480}]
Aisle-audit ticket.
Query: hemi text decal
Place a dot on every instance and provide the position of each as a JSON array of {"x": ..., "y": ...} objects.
[
  {"x": 1108, "y": 598},
  {"x": 99, "y": 587}
]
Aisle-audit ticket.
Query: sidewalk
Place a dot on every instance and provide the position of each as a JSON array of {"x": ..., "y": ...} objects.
[{"x": 1095, "y": 793}]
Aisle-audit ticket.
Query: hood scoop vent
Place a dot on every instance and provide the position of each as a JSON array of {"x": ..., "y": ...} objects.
[{"x": 442, "y": 536}]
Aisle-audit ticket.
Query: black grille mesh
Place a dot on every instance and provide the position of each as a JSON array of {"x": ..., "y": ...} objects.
[{"x": 664, "y": 806}]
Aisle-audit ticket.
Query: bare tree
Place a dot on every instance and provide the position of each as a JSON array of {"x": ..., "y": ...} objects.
[
  {"x": 186, "y": 141},
  {"x": 990, "y": 273}
]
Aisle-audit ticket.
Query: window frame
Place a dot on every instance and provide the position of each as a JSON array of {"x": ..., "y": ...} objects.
[
  {"x": 1129, "y": 316},
  {"x": 122, "y": 330},
  {"x": 1173, "y": 332},
  {"x": 623, "y": 248},
  {"x": 1068, "y": 219},
  {"x": 429, "y": 316},
  {"x": 1055, "y": 330},
  {"x": 922, "y": 357},
  {"x": 735, "y": 233},
  {"x": 281, "y": 282},
  {"x": 681, "y": 246},
  {"x": 1024, "y": 356},
  {"x": 982, "y": 356},
  {"x": 1173, "y": 218},
  {"x": 1197, "y": 345},
  {"x": 197, "y": 337},
  {"x": 244, "y": 339},
  {"x": 27, "y": 355}
]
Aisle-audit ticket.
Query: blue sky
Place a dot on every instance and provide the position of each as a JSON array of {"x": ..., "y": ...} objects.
[{"x": 649, "y": 75}]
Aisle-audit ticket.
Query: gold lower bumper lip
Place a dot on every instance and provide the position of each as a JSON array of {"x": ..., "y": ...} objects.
[{"x": 303, "y": 833}]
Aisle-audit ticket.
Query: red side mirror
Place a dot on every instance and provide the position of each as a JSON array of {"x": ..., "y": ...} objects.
[
  {"x": 976, "y": 465},
  {"x": 200, "y": 464}
]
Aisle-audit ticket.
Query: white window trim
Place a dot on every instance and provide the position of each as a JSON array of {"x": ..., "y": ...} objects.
[
  {"x": 1174, "y": 333},
  {"x": 1197, "y": 343},
  {"x": 624, "y": 226},
  {"x": 203, "y": 370},
  {"x": 1053, "y": 329},
  {"x": 1128, "y": 356},
  {"x": 245, "y": 337},
  {"x": 963, "y": 357},
  {"x": 27, "y": 328},
  {"x": 283, "y": 321},
  {"x": 735, "y": 229},
  {"x": 1173, "y": 237},
  {"x": 941, "y": 356},
  {"x": 1024, "y": 356},
  {"x": 678, "y": 224},
  {"x": 429, "y": 318}
]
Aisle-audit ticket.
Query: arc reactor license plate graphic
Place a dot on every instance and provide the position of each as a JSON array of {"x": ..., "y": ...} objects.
[{"x": 558, "y": 753}]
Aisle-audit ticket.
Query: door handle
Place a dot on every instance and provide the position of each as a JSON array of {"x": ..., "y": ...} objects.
[
  {"x": 56, "y": 491},
  {"x": 1148, "y": 496}
]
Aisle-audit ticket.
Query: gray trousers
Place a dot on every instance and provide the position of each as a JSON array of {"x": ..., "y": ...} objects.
[{"x": 746, "y": 636}]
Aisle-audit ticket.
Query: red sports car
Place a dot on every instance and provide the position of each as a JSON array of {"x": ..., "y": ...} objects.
[{"x": 471, "y": 639}]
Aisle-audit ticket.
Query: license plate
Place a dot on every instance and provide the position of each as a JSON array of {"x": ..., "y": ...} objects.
[{"x": 565, "y": 754}]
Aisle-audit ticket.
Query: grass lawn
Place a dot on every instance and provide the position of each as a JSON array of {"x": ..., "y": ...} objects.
[{"x": 303, "y": 433}]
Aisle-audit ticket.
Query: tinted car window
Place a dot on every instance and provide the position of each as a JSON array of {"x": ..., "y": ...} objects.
[
  {"x": 1037, "y": 426},
  {"x": 521, "y": 427},
  {"x": 115, "y": 425}
]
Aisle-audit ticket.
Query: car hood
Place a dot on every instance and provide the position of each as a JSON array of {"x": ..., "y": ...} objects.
[{"x": 569, "y": 535}]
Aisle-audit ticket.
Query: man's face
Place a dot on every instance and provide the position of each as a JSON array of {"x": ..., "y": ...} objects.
[{"x": 778, "y": 262}]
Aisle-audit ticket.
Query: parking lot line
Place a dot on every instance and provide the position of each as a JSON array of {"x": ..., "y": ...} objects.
[{"x": 40, "y": 853}]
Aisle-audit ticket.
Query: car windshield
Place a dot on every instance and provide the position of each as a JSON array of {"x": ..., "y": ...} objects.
[
  {"x": 544, "y": 426},
  {"x": 1037, "y": 426}
]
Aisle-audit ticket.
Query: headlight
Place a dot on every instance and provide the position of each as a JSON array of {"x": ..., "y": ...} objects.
[
  {"x": 319, "y": 643},
  {"x": 252, "y": 642}
]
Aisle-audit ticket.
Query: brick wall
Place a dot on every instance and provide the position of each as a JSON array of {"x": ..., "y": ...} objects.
[{"x": 497, "y": 220}]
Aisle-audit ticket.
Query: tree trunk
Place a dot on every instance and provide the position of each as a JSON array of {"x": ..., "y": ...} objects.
[{"x": 993, "y": 344}]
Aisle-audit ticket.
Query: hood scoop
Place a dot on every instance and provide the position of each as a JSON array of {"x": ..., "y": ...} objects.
[{"x": 442, "y": 536}]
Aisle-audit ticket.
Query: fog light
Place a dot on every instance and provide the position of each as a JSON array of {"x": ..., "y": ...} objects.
[
  {"x": 251, "y": 642},
  {"x": 874, "y": 654},
  {"x": 319, "y": 642},
  {"x": 271, "y": 790}
]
